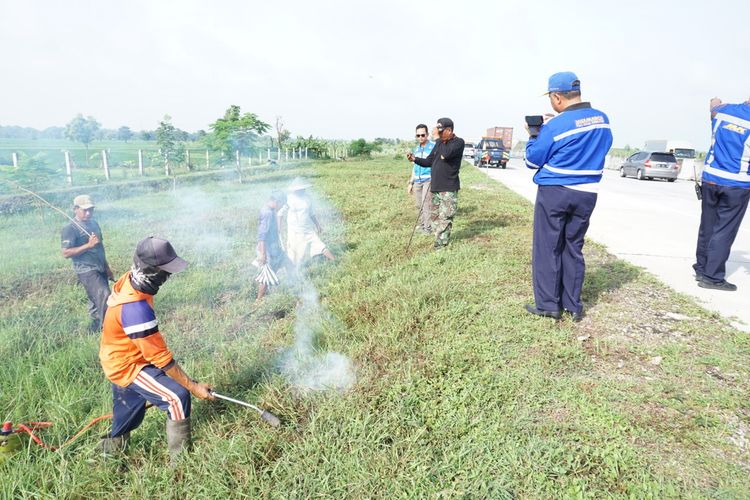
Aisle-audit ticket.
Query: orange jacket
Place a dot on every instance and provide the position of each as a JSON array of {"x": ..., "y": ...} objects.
[{"x": 130, "y": 335}]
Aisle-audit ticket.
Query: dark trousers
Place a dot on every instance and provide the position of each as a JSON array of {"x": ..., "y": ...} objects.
[
  {"x": 561, "y": 218},
  {"x": 150, "y": 385},
  {"x": 722, "y": 210},
  {"x": 97, "y": 289}
]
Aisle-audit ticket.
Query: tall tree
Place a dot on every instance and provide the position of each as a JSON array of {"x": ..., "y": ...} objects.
[
  {"x": 167, "y": 136},
  {"x": 147, "y": 135},
  {"x": 282, "y": 134},
  {"x": 82, "y": 130},
  {"x": 235, "y": 131},
  {"x": 124, "y": 134}
]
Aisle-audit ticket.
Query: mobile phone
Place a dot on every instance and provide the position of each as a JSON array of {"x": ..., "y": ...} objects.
[
  {"x": 698, "y": 192},
  {"x": 534, "y": 123}
]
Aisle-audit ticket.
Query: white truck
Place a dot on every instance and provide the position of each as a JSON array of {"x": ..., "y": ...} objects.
[{"x": 682, "y": 150}]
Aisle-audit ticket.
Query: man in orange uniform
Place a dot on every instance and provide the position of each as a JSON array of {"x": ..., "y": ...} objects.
[{"x": 135, "y": 357}]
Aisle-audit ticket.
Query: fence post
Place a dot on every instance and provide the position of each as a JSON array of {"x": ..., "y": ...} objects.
[
  {"x": 208, "y": 162},
  {"x": 238, "y": 164},
  {"x": 278, "y": 154},
  {"x": 305, "y": 152},
  {"x": 269, "y": 154},
  {"x": 166, "y": 165},
  {"x": 68, "y": 169},
  {"x": 286, "y": 154},
  {"x": 187, "y": 159},
  {"x": 14, "y": 155},
  {"x": 105, "y": 163},
  {"x": 140, "y": 162}
]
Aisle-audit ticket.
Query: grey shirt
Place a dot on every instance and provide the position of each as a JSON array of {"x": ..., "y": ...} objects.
[{"x": 93, "y": 259}]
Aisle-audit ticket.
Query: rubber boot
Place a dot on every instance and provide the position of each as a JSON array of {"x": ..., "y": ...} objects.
[
  {"x": 114, "y": 446},
  {"x": 178, "y": 438}
]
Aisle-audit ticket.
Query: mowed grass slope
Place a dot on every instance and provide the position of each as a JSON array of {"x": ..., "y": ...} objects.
[{"x": 459, "y": 392}]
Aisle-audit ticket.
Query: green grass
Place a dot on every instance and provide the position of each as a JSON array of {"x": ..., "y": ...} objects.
[{"x": 459, "y": 393}]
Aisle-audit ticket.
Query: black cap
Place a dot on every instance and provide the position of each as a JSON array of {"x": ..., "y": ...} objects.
[
  {"x": 445, "y": 123},
  {"x": 156, "y": 252}
]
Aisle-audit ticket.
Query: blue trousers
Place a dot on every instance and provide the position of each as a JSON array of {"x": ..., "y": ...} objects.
[
  {"x": 722, "y": 210},
  {"x": 561, "y": 219},
  {"x": 151, "y": 385}
]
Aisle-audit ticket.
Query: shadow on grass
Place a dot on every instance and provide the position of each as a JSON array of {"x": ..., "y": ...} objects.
[
  {"x": 603, "y": 277},
  {"x": 478, "y": 227}
]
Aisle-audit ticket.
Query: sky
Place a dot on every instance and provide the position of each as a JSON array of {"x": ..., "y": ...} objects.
[{"x": 350, "y": 69}]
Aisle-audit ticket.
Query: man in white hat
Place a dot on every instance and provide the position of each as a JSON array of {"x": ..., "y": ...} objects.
[
  {"x": 303, "y": 227},
  {"x": 83, "y": 243}
]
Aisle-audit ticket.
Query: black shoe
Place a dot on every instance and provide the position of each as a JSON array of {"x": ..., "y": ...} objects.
[
  {"x": 545, "y": 314},
  {"x": 721, "y": 285},
  {"x": 575, "y": 316}
]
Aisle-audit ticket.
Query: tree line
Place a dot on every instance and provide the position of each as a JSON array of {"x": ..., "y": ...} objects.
[{"x": 235, "y": 131}]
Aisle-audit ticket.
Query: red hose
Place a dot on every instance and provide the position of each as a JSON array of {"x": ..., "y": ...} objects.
[{"x": 33, "y": 426}]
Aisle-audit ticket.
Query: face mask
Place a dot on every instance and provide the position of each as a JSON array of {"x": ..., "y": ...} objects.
[{"x": 147, "y": 279}]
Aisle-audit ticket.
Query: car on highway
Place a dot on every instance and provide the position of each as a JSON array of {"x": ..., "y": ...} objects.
[
  {"x": 651, "y": 165},
  {"x": 491, "y": 152},
  {"x": 469, "y": 150}
]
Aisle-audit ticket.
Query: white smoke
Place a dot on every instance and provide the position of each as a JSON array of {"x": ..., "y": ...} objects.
[{"x": 306, "y": 367}]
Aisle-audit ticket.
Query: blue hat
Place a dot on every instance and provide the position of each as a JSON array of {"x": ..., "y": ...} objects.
[{"x": 565, "y": 81}]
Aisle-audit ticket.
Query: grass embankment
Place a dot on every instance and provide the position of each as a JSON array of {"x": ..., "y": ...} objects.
[{"x": 459, "y": 392}]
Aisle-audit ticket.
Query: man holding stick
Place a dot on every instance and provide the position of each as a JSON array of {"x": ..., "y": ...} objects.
[
  {"x": 83, "y": 243},
  {"x": 419, "y": 182}
]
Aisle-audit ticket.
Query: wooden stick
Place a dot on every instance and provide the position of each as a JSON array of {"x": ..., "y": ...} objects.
[{"x": 71, "y": 219}]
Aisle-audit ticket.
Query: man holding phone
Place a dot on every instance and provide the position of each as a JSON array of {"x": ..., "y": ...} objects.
[
  {"x": 568, "y": 151},
  {"x": 444, "y": 162}
]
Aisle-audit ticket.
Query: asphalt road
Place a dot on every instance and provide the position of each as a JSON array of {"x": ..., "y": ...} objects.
[{"x": 654, "y": 225}]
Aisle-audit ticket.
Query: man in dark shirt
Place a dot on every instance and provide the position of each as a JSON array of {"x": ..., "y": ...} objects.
[
  {"x": 445, "y": 161},
  {"x": 82, "y": 242},
  {"x": 270, "y": 255}
]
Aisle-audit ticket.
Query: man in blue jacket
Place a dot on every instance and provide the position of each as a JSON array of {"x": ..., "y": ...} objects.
[
  {"x": 725, "y": 192},
  {"x": 568, "y": 154},
  {"x": 419, "y": 182}
]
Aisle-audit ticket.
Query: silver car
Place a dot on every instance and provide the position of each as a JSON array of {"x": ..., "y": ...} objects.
[
  {"x": 468, "y": 150},
  {"x": 651, "y": 165}
]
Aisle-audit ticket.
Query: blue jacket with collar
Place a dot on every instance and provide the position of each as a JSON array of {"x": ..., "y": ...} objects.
[
  {"x": 728, "y": 157},
  {"x": 571, "y": 148}
]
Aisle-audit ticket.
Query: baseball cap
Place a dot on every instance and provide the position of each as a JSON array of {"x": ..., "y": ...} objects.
[
  {"x": 157, "y": 252},
  {"x": 565, "y": 81},
  {"x": 83, "y": 201},
  {"x": 445, "y": 123}
]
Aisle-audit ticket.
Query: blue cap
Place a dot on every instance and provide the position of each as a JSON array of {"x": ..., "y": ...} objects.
[{"x": 565, "y": 81}]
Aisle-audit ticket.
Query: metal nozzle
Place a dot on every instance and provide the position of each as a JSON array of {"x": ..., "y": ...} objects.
[
  {"x": 267, "y": 416},
  {"x": 270, "y": 418}
]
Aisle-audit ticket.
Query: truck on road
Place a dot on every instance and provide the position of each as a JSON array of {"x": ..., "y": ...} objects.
[{"x": 494, "y": 147}]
